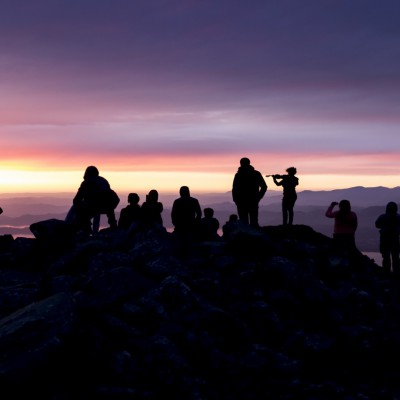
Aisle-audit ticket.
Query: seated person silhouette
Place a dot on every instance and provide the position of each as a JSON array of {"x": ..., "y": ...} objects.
[
  {"x": 129, "y": 217},
  {"x": 151, "y": 211},
  {"x": 230, "y": 226},
  {"x": 208, "y": 226},
  {"x": 186, "y": 213}
]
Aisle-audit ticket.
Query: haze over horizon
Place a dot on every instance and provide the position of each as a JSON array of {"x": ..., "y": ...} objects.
[{"x": 159, "y": 94}]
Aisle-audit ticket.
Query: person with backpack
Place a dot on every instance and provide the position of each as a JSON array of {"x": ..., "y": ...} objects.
[
  {"x": 248, "y": 188},
  {"x": 94, "y": 197}
]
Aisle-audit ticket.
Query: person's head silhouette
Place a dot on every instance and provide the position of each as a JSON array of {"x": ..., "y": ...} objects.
[
  {"x": 345, "y": 206},
  {"x": 133, "y": 198},
  {"x": 391, "y": 208},
  {"x": 233, "y": 218},
  {"x": 184, "y": 191},
  {"x": 291, "y": 171},
  {"x": 244, "y": 162},
  {"x": 90, "y": 172},
  {"x": 153, "y": 195},
  {"x": 208, "y": 212}
]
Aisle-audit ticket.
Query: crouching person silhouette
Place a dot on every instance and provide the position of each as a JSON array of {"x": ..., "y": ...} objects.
[
  {"x": 94, "y": 197},
  {"x": 130, "y": 216}
]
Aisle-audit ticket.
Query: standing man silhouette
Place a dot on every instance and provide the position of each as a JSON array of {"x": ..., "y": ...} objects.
[
  {"x": 248, "y": 188},
  {"x": 389, "y": 246}
]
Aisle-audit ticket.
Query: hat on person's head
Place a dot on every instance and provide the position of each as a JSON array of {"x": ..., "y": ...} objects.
[{"x": 244, "y": 162}]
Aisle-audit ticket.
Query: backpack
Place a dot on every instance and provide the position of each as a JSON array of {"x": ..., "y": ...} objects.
[
  {"x": 112, "y": 199},
  {"x": 109, "y": 201}
]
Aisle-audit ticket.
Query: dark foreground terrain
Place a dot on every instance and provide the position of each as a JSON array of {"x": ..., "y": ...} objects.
[{"x": 268, "y": 314}]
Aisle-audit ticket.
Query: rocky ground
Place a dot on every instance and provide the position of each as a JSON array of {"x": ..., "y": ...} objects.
[{"x": 266, "y": 314}]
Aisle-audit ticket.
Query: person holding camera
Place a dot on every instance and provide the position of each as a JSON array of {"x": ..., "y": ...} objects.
[
  {"x": 345, "y": 226},
  {"x": 289, "y": 183}
]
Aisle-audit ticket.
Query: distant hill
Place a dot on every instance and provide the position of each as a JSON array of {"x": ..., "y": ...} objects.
[{"x": 358, "y": 196}]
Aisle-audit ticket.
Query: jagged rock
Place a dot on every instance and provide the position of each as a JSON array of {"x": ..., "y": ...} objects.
[{"x": 274, "y": 312}]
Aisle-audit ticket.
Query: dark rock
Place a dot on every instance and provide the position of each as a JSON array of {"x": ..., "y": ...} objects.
[{"x": 274, "y": 312}]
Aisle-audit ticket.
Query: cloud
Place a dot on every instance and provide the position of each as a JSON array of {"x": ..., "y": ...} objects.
[{"x": 166, "y": 78}]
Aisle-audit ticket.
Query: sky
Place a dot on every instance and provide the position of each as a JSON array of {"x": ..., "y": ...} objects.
[{"x": 163, "y": 93}]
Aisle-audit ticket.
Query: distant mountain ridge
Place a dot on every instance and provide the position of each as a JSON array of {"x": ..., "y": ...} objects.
[
  {"x": 359, "y": 196},
  {"x": 22, "y": 210}
]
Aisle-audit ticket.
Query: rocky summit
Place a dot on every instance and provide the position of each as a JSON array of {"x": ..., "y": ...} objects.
[{"x": 270, "y": 313}]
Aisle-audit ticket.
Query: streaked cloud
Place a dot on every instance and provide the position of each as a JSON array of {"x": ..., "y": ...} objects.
[{"x": 193, "y": 85}]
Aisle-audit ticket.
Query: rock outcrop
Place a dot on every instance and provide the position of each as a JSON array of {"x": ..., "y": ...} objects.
[{"x": 268, "y": 314}]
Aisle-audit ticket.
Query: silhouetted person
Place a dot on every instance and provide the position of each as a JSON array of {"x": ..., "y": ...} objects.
[
  {"x": 345, "y": 225},
  {"x": 208, "y": 226},
  {"x": 230, "y": 226},
  {"x": 129, "y": 217},
  {"x": 389, "y": 228},
  {"x": 248, "y": 189},
  {"x": 289, "y": 183},
  {"x": 151, "y": 211},
  {"x": 186, "y": 213},
  {"x": 94, "y": 197}
]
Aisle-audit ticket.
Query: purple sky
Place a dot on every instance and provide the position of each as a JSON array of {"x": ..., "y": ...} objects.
[{"x": 195, "y": 85}]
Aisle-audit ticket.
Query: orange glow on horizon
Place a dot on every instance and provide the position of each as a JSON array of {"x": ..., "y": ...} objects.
[
  {"x": 14, "y": 181},
  {"x": 206, "y": 173}
]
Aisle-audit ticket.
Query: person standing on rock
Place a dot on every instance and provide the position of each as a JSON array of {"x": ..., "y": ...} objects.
[
  {"x": 289, "y": 183},
  {"x": 389, "y": 229},
  {"x": 248, "y": 188}
]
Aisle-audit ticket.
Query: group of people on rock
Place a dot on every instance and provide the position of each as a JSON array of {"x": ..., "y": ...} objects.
[
  {"x": 186, "y": 215},
  {"x": 96, "y": 197}
]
